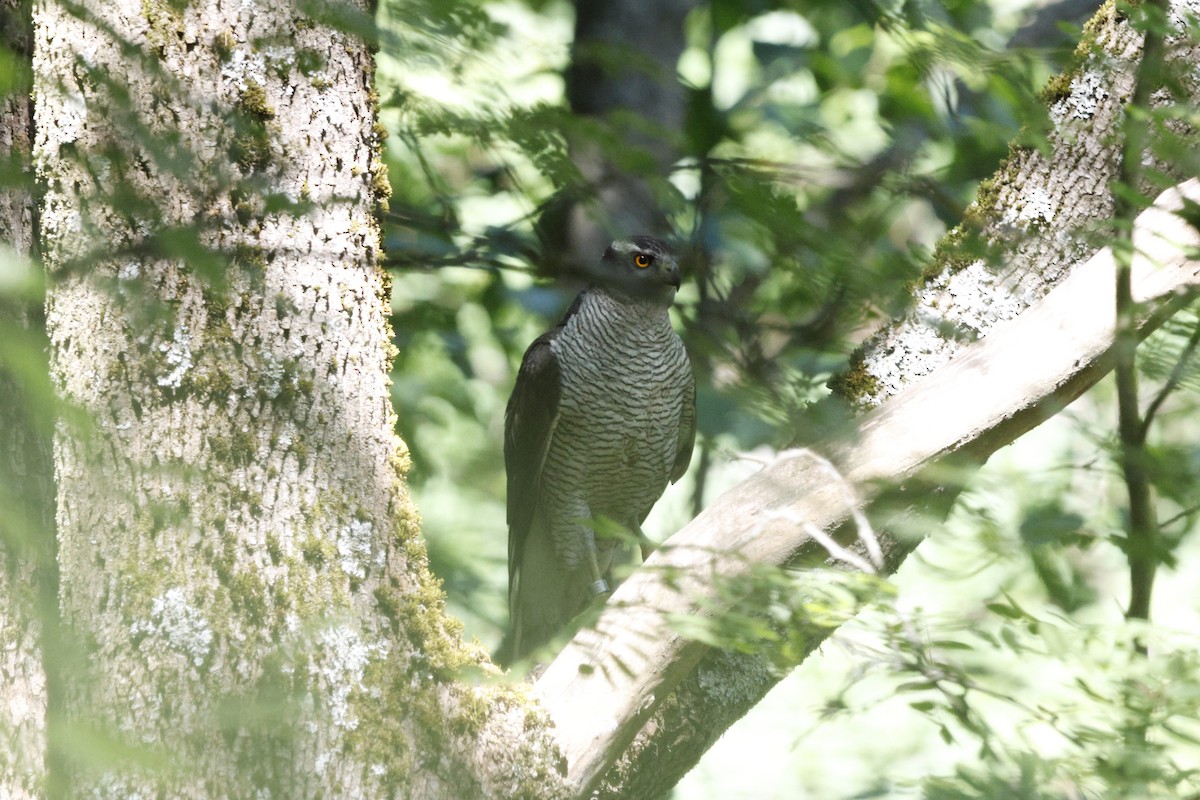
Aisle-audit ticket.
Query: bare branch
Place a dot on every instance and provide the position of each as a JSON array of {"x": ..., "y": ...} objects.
[{"x": 862, "y": 526}]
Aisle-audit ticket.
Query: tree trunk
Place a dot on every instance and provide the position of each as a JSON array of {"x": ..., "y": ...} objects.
[{"x": 238, "y": 550}]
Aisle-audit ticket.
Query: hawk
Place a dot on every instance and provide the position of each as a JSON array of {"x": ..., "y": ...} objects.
[{"x": 602, "y": 417}]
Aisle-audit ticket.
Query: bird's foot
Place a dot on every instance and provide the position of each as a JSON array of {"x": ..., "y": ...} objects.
[
  {"x": 598, "y": 586},
  {"x": 644, "y": 544}
]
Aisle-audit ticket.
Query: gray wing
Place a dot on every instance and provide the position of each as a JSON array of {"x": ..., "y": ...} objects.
[
  {"x": 529, "y": 423},
  {"x": 687, "y": 431}
]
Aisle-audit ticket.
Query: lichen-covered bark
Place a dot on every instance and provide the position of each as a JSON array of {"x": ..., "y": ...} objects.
[
  {"x": 26, "y": 477},
  {"x": 1044, "y": 211},
  {"x": 238, "y": 550},
  {"x": 1041, "y": 214}
]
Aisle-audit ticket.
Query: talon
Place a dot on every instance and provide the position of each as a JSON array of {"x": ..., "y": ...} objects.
[{"x": 644, "y": 544}]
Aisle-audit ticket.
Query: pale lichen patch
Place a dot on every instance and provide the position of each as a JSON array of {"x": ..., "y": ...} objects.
[
  {"x": 952, "y": 308},
  {"x": 129, "y": 271},
  {"x": 246, "y": 66},
  {"x": 1087, "y": 91},
  {"x": 341, "y": 666},
  {"x": 74, "y": 118},
  {"x": 177, "y": 625},
  {"x": 273, "y": 373},
  {"x": 1035, "y": 207},
  {"x": 178, "y": 355},
  {"x": 355, "y": 546}
]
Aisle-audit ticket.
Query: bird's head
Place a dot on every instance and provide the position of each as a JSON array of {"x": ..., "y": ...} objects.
[{"x": 641, "y": 267}]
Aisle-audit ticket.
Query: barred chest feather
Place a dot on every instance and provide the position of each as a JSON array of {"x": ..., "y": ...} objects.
[{"x": 625, "y": 379}]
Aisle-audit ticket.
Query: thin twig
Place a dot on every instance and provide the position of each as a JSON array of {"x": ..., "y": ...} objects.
[
  {"x": 835, "y": 550},
  {"x": 866, "y": 534},
  {"x": 1173, "y": 381},
  {"x": 1182, "y": 515}
]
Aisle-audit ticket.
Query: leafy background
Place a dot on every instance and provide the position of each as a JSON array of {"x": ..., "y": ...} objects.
[
  {"x": 827, "y": 151},
  {"x": 827, "y": 148}
]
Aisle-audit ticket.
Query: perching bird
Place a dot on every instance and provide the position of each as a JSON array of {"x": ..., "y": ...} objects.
[{"x": 602, "y": 416}]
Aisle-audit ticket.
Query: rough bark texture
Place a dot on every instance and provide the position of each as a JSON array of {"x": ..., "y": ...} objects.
[
  {"x": 26, "y": 475},
  {"x": 1042, "y": 215},
  {"x": 238, "y": 550},
  {"x": 16, "y": 129}
]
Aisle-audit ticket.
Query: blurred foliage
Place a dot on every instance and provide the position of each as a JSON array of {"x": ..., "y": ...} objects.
[
  {"x": 997, "y": 662},
  {"x": 826, "y": 149}
]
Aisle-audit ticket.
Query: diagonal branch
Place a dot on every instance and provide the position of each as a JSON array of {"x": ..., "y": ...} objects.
[{"x": 608, "y": 680}]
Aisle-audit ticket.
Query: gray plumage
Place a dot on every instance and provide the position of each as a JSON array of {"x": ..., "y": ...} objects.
[{"x": 602, "y": 417}]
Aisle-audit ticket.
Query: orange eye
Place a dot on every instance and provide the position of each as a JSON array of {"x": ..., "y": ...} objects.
[{"x": 641, "y": 260}]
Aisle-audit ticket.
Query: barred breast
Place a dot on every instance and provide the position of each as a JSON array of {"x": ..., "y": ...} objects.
[{"x": 625, "y": 380}]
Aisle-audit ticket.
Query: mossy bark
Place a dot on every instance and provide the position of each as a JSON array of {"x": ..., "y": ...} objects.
[
  {"x": 1046, "y": 209},
  {"x": 239, "y": 553}
]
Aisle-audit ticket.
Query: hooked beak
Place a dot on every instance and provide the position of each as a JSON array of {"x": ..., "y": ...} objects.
[{"x": 671, "y": 273}]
